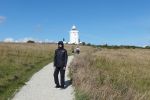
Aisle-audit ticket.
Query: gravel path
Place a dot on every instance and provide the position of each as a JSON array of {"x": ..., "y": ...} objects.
[{"x": 41, "y": 86}]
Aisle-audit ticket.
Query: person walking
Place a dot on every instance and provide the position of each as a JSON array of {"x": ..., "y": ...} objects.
[
  {"x": 60, "y": 63},
  {"x": 77, "y": 50}
]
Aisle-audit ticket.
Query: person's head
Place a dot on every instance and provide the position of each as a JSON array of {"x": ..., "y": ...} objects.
[{"x": 60, "y": 44}]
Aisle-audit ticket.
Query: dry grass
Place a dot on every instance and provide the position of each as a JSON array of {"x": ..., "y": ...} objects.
[
  {"x": 109, "y": 74},
  {"x": 18, "y": 62}
]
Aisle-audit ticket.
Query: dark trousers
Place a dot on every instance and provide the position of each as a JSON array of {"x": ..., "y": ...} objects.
[{"x": 62, "y": 76}]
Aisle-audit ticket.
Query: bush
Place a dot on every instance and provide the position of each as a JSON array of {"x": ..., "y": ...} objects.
[
  {"x": 83, "y": 43},
  {"x": 30, "y": 41},
  {"x": 147, "y": 47}
]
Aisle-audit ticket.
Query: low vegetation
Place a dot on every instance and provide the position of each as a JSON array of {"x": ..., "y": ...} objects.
[
  {"x": 112, "y": 74},
  {"x": 18, "y": 62}
]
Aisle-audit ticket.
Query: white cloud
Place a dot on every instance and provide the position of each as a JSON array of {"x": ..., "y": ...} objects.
[
  {"x": 9, "y": 40},
  {"x": 26, "y": 39},
  {"x": 47, "y": 40},
  {"x": 2, "y": 19}
]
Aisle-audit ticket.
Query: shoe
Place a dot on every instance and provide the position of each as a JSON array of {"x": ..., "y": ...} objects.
[
  {"x": 62, "y": 87},
  {"x": 57, "y": 86}
]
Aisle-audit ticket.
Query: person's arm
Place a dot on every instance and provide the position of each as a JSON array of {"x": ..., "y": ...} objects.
[
  {"x": 66, "y": 58},
  {"x": 55, "y": 56}
]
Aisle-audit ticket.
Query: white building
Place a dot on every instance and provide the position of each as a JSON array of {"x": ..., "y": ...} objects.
[{"x": 74, "y": 35}]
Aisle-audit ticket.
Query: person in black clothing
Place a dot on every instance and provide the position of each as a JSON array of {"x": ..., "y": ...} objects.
[{"x": 60, "y": 62}]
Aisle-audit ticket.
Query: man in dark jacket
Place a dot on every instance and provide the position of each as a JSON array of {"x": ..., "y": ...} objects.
[{"x": 60, "y": 62}]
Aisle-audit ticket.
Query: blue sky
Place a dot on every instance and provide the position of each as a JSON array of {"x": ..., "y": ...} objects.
[{"x": 117, "y": 22}]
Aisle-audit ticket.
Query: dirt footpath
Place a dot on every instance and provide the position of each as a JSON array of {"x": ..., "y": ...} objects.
[{"x": 41, "y": 86}]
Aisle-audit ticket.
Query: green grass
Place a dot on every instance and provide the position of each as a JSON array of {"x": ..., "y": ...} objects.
[
  {"x": 80, "y": 95},
  {"x": 18, "y": 62}
]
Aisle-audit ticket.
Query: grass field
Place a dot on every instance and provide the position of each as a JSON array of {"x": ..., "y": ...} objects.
[
  {"x": 112, "y": 74},
  {"x": 18, "y": 62}
]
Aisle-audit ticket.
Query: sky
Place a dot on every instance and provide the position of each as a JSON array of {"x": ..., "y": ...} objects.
[{"x": 115, "y": 22}]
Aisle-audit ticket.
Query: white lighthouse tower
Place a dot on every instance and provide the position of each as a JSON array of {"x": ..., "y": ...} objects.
[{"x": 74, "y": 35}]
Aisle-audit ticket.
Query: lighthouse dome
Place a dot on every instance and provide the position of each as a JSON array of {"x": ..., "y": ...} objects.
[{"x": 74, "y": 27}]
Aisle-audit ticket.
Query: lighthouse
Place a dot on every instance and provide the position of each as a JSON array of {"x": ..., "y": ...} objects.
[{"x": 74, "y": 35}]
